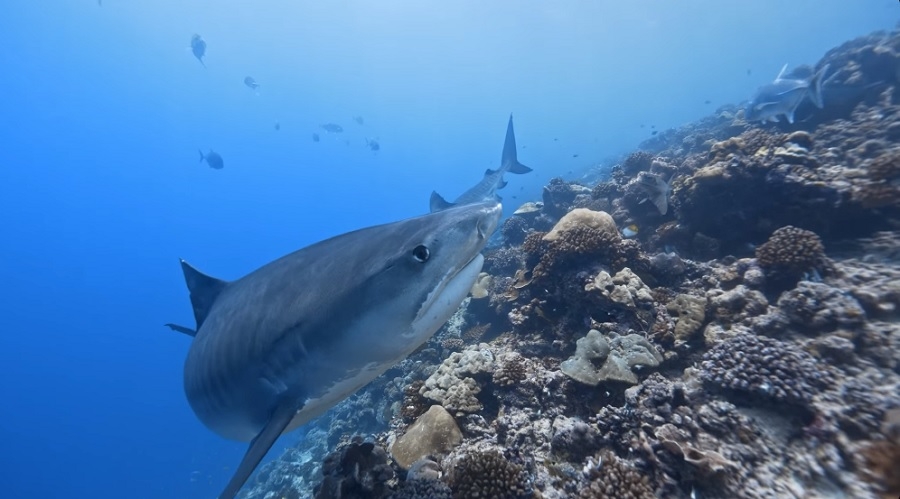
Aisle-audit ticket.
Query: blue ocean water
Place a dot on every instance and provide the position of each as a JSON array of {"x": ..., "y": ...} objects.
[{"x": 103, "y": 110}]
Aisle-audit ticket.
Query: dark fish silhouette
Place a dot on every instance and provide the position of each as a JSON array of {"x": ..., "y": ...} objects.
[
  {"x": 250, "y": 82},
  {"x": 373, "y": 144},
  {"x": 198, "y": 47},
  {"x": 212, "y": 159},
  {"x": 332, "y": 128},
  {"x": 359, "y": 120},
  {"x": 277, "y": 126},
  {"x": 315, "y": 137}
]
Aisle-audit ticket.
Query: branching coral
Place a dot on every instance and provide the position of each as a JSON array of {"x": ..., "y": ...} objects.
[
  {"x": 766, "y": 368},
  {"x": 489, "y": 474},
  {"x": 612, "y": 477},
  {"x": 789, "y": 253}
]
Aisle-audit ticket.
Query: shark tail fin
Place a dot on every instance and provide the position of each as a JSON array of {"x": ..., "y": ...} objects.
[
  {"x": 509, "y": 156},
  {"x": 202, "y": 156},
  {"x": 815, "y": 86},
  {"x": 438, "y": 203},
  {"x": 204, "y": 291},
  {"x": 181, "y": 329},
  {"x": 279, "y": 420}
]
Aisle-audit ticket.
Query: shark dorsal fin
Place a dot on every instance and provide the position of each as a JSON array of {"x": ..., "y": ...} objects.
[
  {"x": 438, "y": 203},
  {"x": 781, "y": 73},
  {"x": 204, "y": 291},
  {"x": 509, "y": 158}
]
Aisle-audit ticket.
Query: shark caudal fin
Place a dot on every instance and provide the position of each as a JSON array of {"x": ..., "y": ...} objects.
[
  {"x": 438, "y": 203},
  {"x": 509, "y": 158},
  {"x": 204, "y": 291}
]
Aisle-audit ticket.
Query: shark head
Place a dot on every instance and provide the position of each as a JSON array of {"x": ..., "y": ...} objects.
[{"x": 431, "y": 268}]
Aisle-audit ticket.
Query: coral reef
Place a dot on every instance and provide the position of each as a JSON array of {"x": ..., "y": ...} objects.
[{"x": 725, "y": 354}]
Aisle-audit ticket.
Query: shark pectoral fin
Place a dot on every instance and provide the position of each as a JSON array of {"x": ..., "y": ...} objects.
[
  {"x": 204, "y": 290},
  {"x": 181, "y": 329},
  {"x": 502, "y": 184},
  {"x": 437, "y": 203},
  {"x": 260, "y": 445}
]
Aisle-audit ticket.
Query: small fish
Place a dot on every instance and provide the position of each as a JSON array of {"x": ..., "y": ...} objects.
[
  {"x": 373, "y": 144},
  {"x": 212, "y": 159},
  {"x": 359, "y": 120},
  {"x": 749, "y": 72},
  {"x": 707, "y": 101},
  {"x": 250, "y": 82},
  {"x": 332, "y": 128},
  {"x": 198, "y": 47},
  {"x": 784, "y": 95},
  {"x": 315, "y": 137},
  {"x": 654, "y": 132},
  {"x": 630, "y": 231},
  {"x": 574, "y": 155},
  {"x": 277, "y": 126}
]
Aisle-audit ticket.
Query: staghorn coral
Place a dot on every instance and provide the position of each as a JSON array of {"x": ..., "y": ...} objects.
[
  {"x": 765, "y": 368},
  {"x": 490, "y": 475},
  {"x": 790, "y": 253}
]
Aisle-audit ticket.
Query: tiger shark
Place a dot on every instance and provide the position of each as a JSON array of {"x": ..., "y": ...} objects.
[
  {"x": 283, "y": 344},
  {"x": 487, "y": 188}
]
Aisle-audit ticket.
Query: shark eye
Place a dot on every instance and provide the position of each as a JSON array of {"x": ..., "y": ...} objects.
[{"x": 421, "y": 253}]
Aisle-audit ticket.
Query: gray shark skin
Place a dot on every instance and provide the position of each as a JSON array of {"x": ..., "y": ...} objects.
[
  {"x": 487, "y": 188},
  {"x": 286, "y": 342},
  {"x": 784, "y": 95}
]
